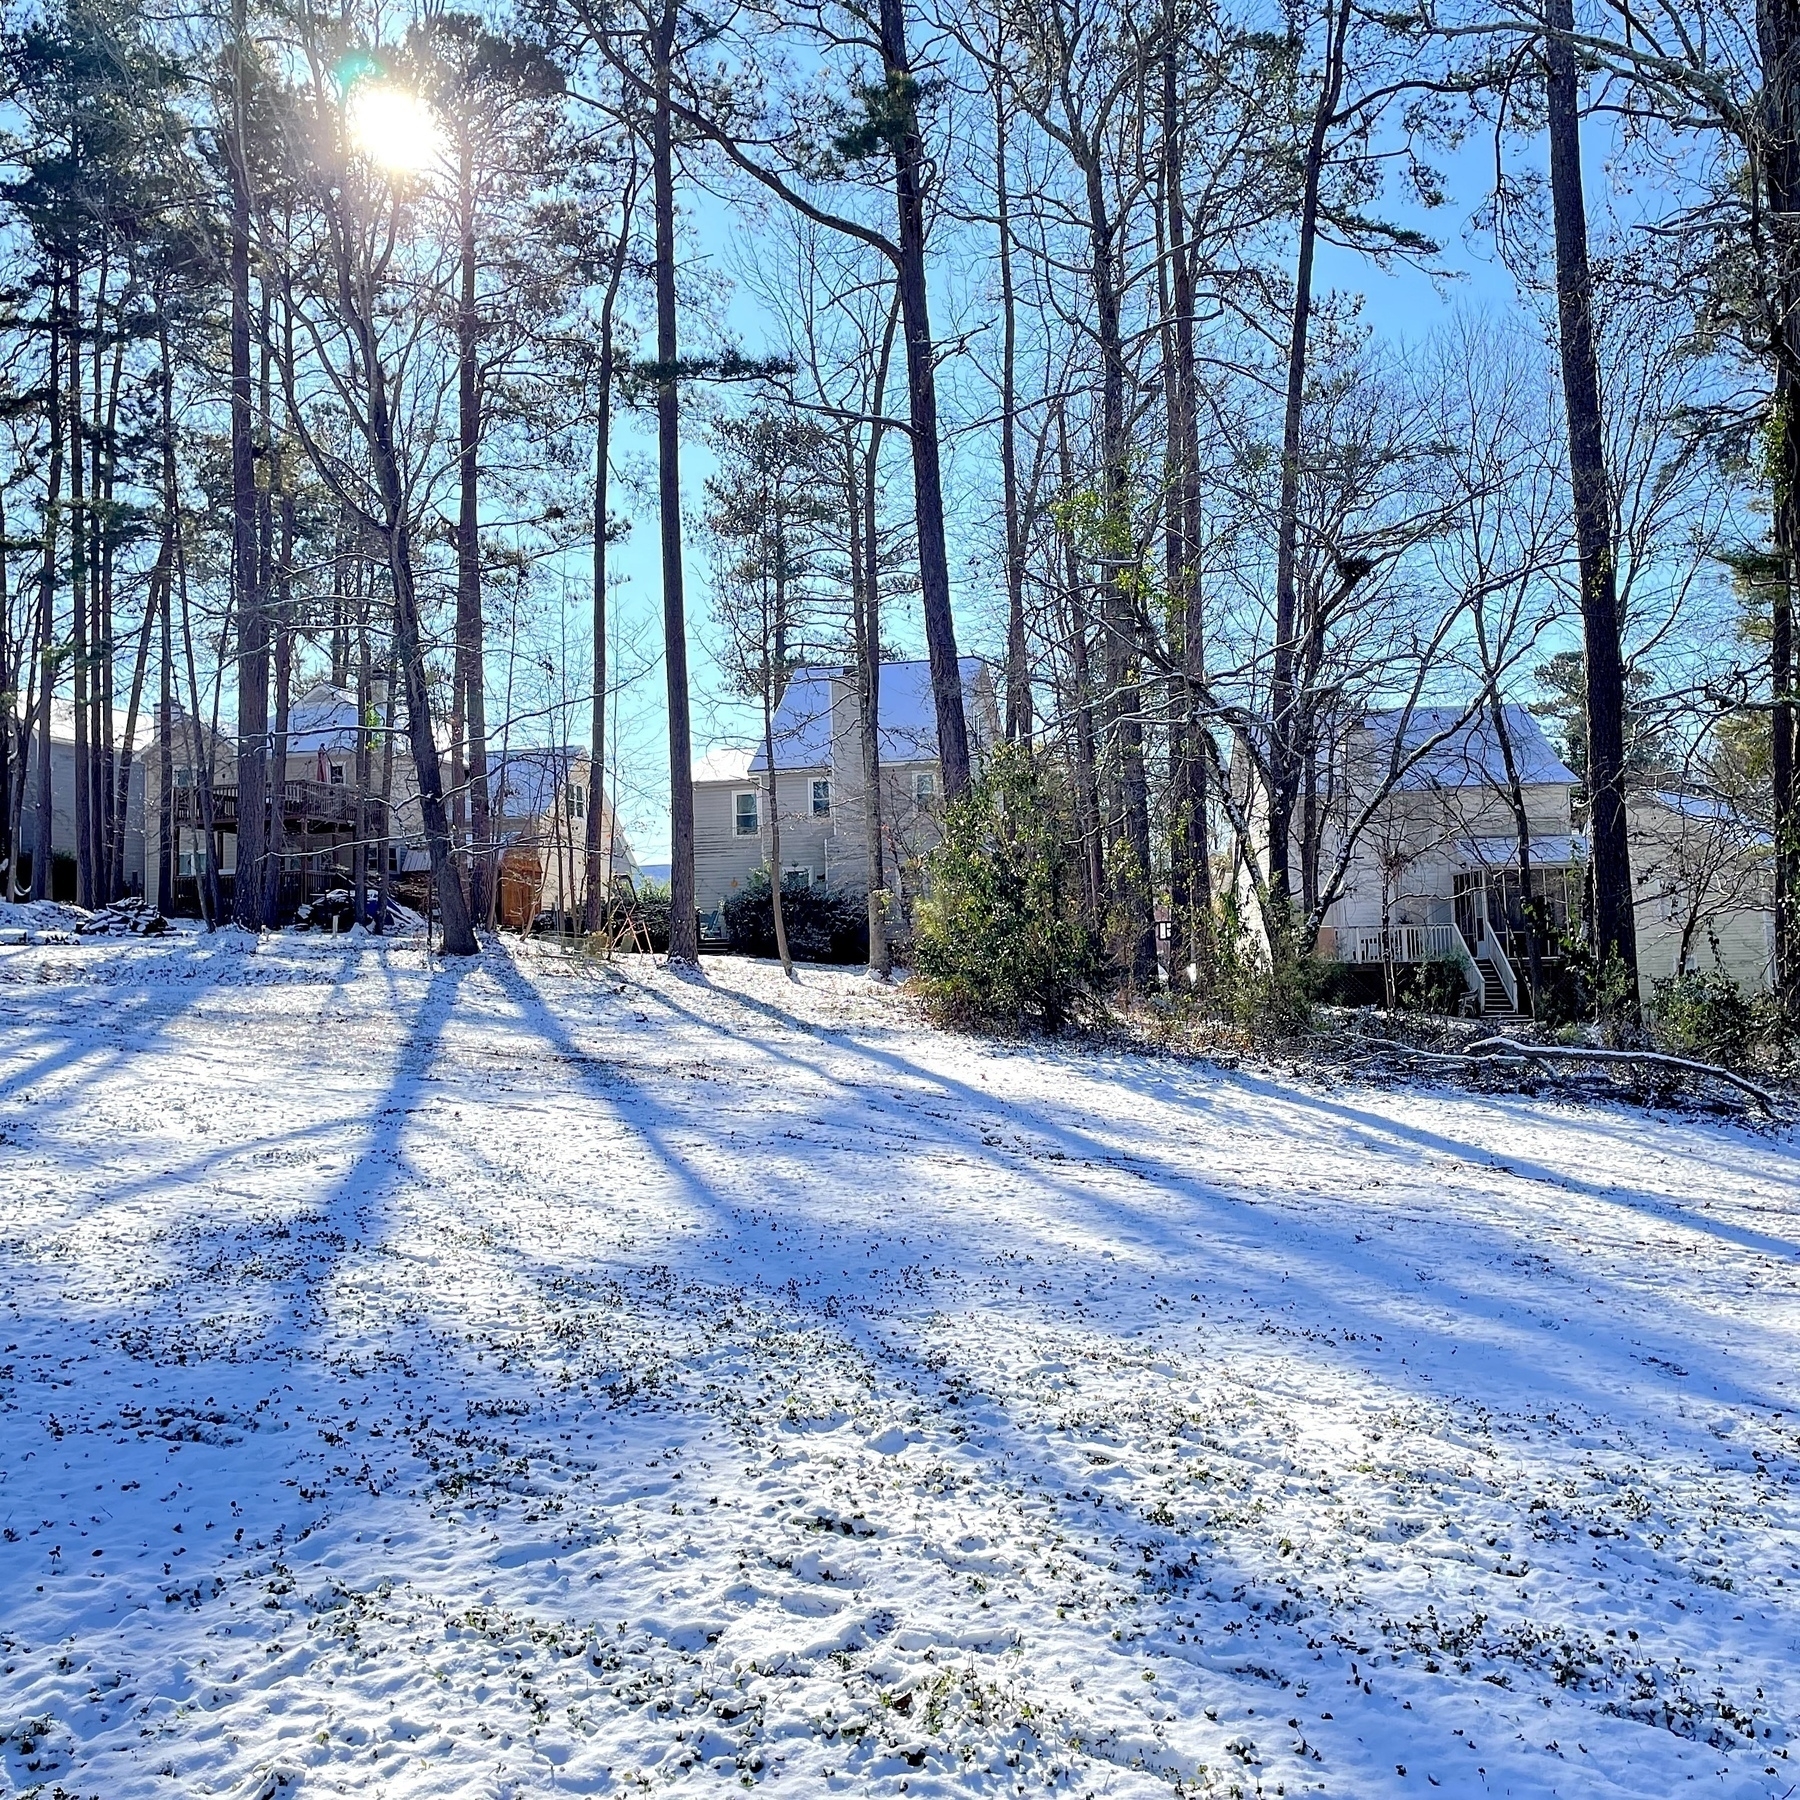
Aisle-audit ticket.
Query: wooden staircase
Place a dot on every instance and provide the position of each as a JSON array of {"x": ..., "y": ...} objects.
[{"x": 1494, "y": 1004}]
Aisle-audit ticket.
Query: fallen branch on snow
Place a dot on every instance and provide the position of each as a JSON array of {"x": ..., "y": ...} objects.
[
  {"x": 1503, "y": 1049},
  {"x": 1488, "y": 1048}
]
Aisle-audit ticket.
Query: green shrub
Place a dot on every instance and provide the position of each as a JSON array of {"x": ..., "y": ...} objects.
[
  {"x": 824, "y": 924},
  {"x": 1004, "y": 939},
  {"x": 1708, "y": 1016},
  {"x": 1263, "y": 996}
]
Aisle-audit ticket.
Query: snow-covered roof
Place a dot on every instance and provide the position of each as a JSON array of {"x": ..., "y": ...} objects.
[
  {"x": 1712, "y": 809},
  {"x": 323, "y": 718},
  {"x": 1470, "y": 755},
  {"x": 907, "y": 724},
  {"x": 523, "y": 783},
  {"x": 727, "y": 764},
  {"x": 1503, "y": 852},
  {"x": 62, "y": 724}
]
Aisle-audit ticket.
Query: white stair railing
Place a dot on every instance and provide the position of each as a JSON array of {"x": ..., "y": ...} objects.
[
  {"x": 1493, "y": 952},
  {"x": 1459, "y": 948}
]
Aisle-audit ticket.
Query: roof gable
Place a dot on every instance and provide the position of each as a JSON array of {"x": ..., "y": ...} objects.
[{"x": 907, "y": 726}]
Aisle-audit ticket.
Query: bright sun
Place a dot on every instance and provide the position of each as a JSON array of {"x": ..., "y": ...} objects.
[{"x": 392, "y": 127}]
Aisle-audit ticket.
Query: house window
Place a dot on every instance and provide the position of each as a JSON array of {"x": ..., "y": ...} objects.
[
  {"x": 821, "y": 798},
  {"x": 747, "y": 813},
  {"x": 184, "y": 779},
  {"x": 186, "y": 864},
  {"x": 796, "y": 875},
  {"x": 924, "y": 787},
  {"x": 577, "y": 800},
  {"x": 337, "y": 774}
]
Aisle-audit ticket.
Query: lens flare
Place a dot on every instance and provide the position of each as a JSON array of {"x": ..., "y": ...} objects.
[{"x": 392, "y": 127}]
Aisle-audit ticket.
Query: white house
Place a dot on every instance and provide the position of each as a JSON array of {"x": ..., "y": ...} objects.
[
  {"x": 818, "y": 783},
  {"x": 1704, "y": 886},
  {"x": 1434, "y": 873},
  {"x": 61, "y": 882}
]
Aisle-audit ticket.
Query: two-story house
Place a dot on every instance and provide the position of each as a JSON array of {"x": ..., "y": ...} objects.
[
  {"x": 1434, "y": 872},
  {"x": 818, "y": 791}
]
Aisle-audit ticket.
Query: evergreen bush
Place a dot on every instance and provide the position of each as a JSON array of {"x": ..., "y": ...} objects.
[
  {"x": 824, "y": 924},
  {"x": 1708, "y": 1016},
  {"x": 1003, "y": 937},
  {"x": 655, "y": 900}
]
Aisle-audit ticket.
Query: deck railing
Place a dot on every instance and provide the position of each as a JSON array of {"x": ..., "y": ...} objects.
[
  {"x": 303, "y": 803},
  {"x": 1410, "y": 944},
  {"x": 1398, "y": 943}
]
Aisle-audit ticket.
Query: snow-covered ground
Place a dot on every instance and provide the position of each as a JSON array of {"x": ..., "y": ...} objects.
[{"x": 537, "y": 1377}]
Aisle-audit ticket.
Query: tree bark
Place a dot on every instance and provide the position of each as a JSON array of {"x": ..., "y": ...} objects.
[
  {"x": 775, "y": 911},
  {"x": 684, "y": 940},
  {"x": 1778, "y": 141},
  {"x": 1018, "y": 675},
  {"x": 921, "y": 389},
  {"x": 1284, "y": 700},
  {"x": 469, "y": 748},
  {"x": 868, "y": 664},
  {"x": 252, "y": 624},
  {"x": 598, "y": 841},
  {"x": 1615, "y": 933},
  {"x": 78, "y": 648},
  {"x": 42, "y": 847},
  {"x": 1190, "y": 926}
]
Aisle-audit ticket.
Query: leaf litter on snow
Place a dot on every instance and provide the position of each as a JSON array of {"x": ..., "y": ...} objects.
[{"x": 533, "y": 1377}]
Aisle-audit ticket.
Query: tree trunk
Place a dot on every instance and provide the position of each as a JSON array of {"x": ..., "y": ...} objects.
[
  {"x": 684, "y": 942},
  {"x": 206, "y": 871},
  {"x": 1190, "y": 927},
  {"x": 252, "y": 624},
  {"x": 121, "y": 795},
  {"x": 384, "y": 847},
  {"x": 865, "y": 630},
  {"x": 79, "y": 646},
  {"x": 1087, "y": 781},
  {"x": 1778, "y": 40},
  {"x": 165, "y": 733},
  {"x": 1126, "y": 788},
  {"x": 768, "y": 710},
  {"x": 1018, "y": 675},
  {"x": 921, "y": 387},
  {"x": 115, "y": 807},
  {"x": 1615, "y": 933},
  {"x": 599, "y": 852},
  {"x": 276, "y": 529},
  {"x": 42, "y": 849},
  {"x": 1284, "y": 700},
  {"x": 867, "y": 625},
  {"x": 471, "y": 672},
  {"x": 1515, "y": 793}
]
